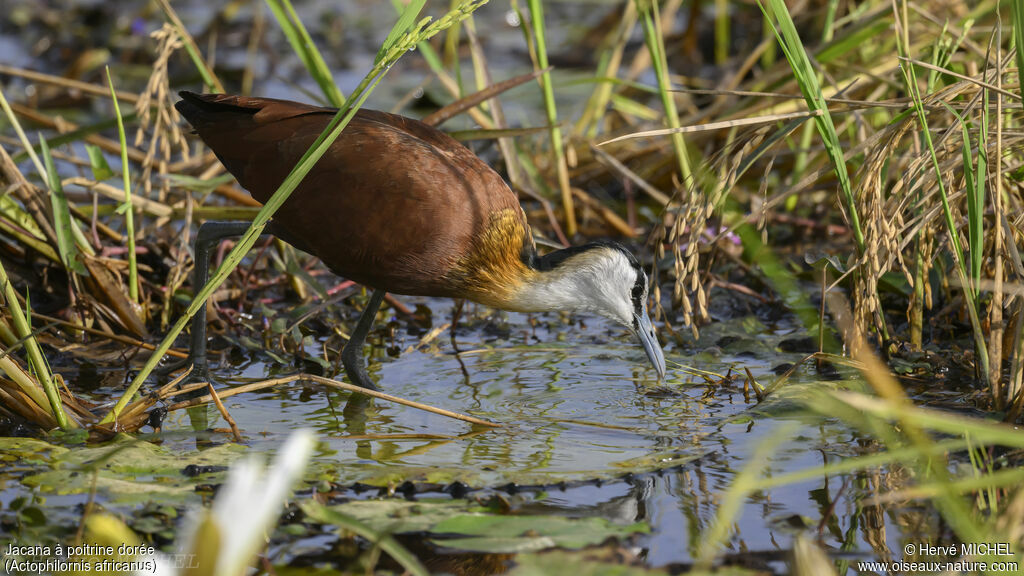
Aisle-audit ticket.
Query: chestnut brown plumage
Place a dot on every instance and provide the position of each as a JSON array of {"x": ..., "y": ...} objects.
[{"x": 400, "y": 206}]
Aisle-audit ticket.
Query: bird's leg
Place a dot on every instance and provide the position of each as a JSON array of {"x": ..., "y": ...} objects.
[
  {"x": 456, "y": 314},
  {"x": 352, "y": 353},
  {"x": 209, "y": 235}
]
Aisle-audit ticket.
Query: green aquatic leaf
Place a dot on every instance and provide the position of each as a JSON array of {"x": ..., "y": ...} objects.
[
  {"x": 655, "y": 461},
  {"x": 22, "y": 449},
  {"x": 604, "y": 561},
  {"x": 129, "y": 469},
  {"x": 509, "y": 534},
  {"x": 100, "y": 168},
  {"x": 601, "y": 562},
  {"x": 794, "y": 396},
  {"x": 125, "y": 454},
  {"x": 388, "y": 544},
  {"x": 467, "y": 525},
  {"x": 63, "y": 224},
  {"x": 394, "y": 516}
]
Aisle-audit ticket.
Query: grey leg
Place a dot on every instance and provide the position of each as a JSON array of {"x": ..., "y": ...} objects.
[
  {"x": 352, "y": 353},
  {"x": 210, "y": 233}
]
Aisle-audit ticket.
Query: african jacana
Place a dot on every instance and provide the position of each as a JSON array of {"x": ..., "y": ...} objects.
[{"x": 401, "y": 207}]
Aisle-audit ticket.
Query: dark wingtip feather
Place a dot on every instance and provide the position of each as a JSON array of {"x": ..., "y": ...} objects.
[
  {"x": 198, "y": 108},
  {"x": 189, "y": 106}
]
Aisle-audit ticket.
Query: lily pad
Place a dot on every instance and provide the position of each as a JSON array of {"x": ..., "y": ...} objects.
[
  {"x": 600, "y": 562},
  {"x": 402, "y": 517},
  {"x": 128, "y": 455},
  {"x": 655, "y": 461},
  {"x": 26, "y": 450},
  {"x": 468, "y": 526},
  {"x": 793, "y": 397},
  {"x": 479, "y": 533},
  {"x": 604, "y": 561},
  {"x": 129, "y": 469}
]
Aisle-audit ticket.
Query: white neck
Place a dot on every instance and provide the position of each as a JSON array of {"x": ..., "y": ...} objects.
[
  {"x": 555, "y": 291},
  {"x": 594, "y": 282}
]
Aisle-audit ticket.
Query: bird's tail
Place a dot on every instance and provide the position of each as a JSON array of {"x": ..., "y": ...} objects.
[
  {"x": 246, "y": 134},
  {"x": 201, "y": 108}
]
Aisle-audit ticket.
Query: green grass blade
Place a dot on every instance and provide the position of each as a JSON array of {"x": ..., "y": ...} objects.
[
  {"x": 126, "y": 208},
  {"x": 62, "y": 223},
  {"x": 304, "y": 47},
  {"x": 974, "y": 179},
  {"x": 537, "y": 15},
  {"x": 785, "y": 31},
  {"x": 803, "y": 153},
  {"x": 605, "y": 76},
  {"x": 20, "y": 225},
  {"x": 771, "y": 52},
  {"x": 98, "y": 162},
  {"x": 976, "y": 198},
  {"x": 404, "y": 24},
  {"x": 650, "y": 15},
  {"x": 36, "y": 359},
  {"x": 956, "y": 248},
  {"x": 430, "y": 55},
  {"x": 21, "y": 135},
  {"x": 722, "y": 35},
  {"x": 1017, "y": 15},
  {"x": 853, "y": 40}
]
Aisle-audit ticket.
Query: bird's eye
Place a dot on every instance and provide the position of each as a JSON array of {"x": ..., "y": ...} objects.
[{"x": 637, "y": 294}]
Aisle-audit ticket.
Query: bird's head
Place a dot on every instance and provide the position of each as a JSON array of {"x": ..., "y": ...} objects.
[{"x": 602, "y": 278}]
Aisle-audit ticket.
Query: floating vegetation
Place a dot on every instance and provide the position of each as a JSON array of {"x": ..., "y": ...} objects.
[{"x": 828, "y": 197}]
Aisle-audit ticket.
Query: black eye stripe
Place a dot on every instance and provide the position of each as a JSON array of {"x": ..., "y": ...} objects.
[{"x": 637, "y": 293}]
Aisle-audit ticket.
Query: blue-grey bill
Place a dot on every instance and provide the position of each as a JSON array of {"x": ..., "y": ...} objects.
[{"x": 645, "y": 332}]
